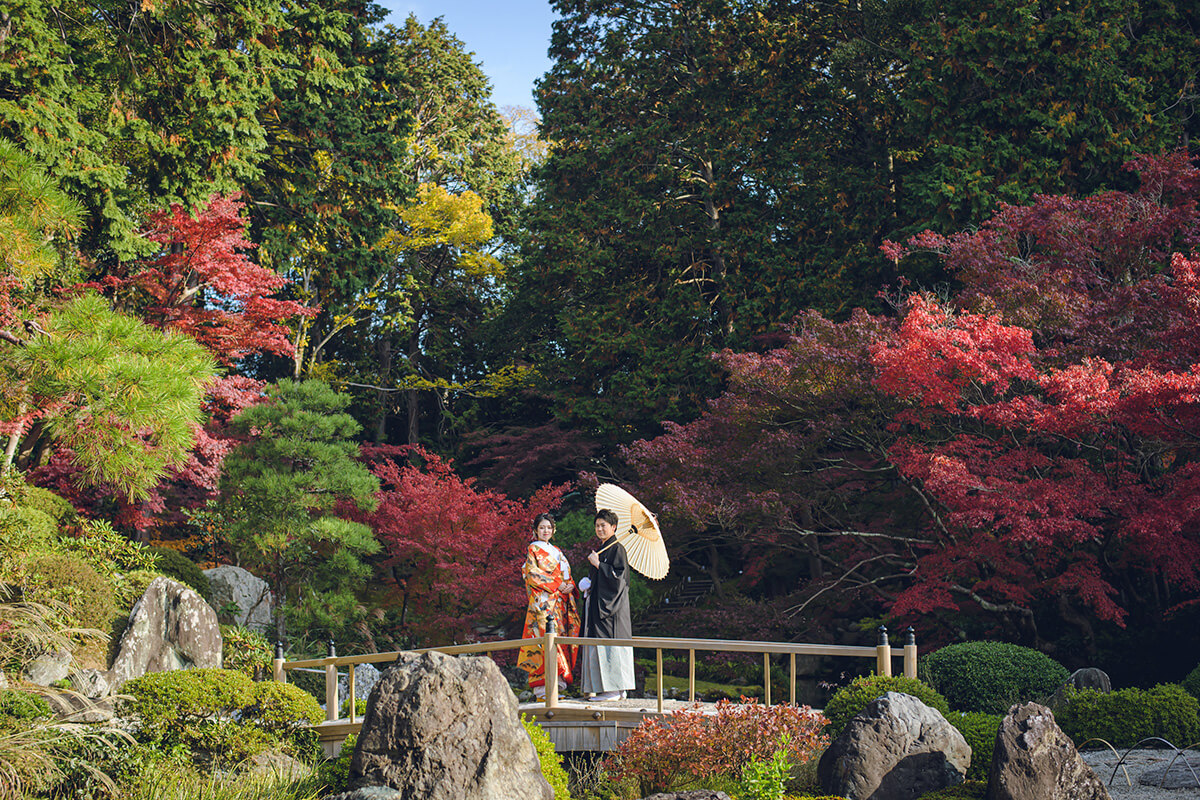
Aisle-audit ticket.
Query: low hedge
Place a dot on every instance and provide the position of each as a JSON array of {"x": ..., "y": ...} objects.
[
  {"x": 980, "y": 731},
  {"x": 991, "y": 676},
  {"x": 849, "y": 700},
  {"x": 1128, "y": 716}
]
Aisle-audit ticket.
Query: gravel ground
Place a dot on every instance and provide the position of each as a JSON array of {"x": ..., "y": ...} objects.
[{"x": 1135, "y": 764}]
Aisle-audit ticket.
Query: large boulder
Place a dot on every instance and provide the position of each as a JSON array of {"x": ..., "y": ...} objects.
[
  {"x": 247, "y": 598},
  {"x": 1035, "y": 760},
  {"x": 171, "y": 627},
  {"x": 445, "y": 728},
  {"x": 896, "y": 748}
]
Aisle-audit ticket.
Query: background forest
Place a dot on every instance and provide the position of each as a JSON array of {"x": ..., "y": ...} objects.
[{"x": 891, "y": 308}]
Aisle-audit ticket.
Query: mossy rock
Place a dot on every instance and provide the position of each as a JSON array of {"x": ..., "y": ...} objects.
[
  {"x": 848, "y": 701},
  {"x": 991, "y": 676},
  {"x": 175, "y": 564}
]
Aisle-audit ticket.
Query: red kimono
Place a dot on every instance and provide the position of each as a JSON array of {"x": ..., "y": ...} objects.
[{"x": 551, "y": 592}]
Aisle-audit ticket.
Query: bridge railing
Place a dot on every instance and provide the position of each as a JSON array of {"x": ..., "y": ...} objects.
[{"x": 883, "y": 654}]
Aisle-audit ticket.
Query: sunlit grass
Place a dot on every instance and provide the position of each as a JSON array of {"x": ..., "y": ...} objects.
[{"x": 181, "y": 782}]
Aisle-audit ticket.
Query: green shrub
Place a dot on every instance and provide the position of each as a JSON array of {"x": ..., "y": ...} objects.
[
  {"x": 109, "y": 550},
  {"x": 245, "y": 650},
  {"x": 848, "y": 701},
  {"x": 1191, "y": 683},
  {"x": 52, "y": 505},
  {"x": 17, "y": 705},
  {"x": 281, "y": 707},
  {"x": 72, "y": 581},
  {"x": 335, "y": 773},
  {"x": 991, "y": 676},
  {"x": 130, "y": 586},
  {"x": 175, "y": 564},
  {"x": 174, "y": 700},
  {"x": 1128, "y": 716},
  {"x": 969, "y": 790},
  {"x": 979, "y": 730},
  {"x": 552, "y": 768}
]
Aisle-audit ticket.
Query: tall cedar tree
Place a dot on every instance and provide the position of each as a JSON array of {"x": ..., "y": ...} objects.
[
  {"x": 454, "y": 550},
  {"x": 139, "y": 105},
  {"x": 283, "y": 491},
  {"x": 718, "y": 166},
  {"x": 1019, "y": 454}
]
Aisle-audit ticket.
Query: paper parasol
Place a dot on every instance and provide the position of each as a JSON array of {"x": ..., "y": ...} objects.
[{"x": 637, "y": 531}]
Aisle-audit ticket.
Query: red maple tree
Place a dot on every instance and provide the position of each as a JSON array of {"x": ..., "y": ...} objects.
[
  {"x": 454, "y": 551},
  {"x": 1022, "y": 450}
]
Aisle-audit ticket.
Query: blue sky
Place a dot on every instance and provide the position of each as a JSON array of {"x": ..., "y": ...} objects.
[{"x": 509, "y": 38}]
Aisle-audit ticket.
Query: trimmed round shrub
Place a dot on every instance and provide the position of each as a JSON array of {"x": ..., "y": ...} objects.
[
  {"x": 979, "y": 730},
  {"x": 282, "y": 707},
  {"x": 1128, "y": 716},
  {"x": 1191, "y": 684},
  {"x": 991, "y": 676},
  {"x": 23, "y": 529},
  {"x": 178, "y": 698},
  {"x": 59, "y": 509},
  {"x": 849, "y": 700},
  {"x": 70, "y": 580},
  {"x": 552, "y": 768},
  {"x": 175, "y": 564}
]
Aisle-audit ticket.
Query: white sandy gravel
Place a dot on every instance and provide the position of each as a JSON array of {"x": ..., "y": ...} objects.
[{"x": 1125, "y": 786}]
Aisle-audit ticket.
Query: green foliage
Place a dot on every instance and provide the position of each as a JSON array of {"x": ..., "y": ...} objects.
[
  {"x": 281, "y": 490},
  {"x": 17, "y": 705},
  {"x": 1192, "y": 682},
  {"x": 177, "y": 699},
  {"x": 282, "y": 708},
  {"x": 1125, "y": 717},
  {"x": 130, "y": 586},
  {"x": 72, "y": 581},
  {"x": 764, "y": 779},
  {"x": 991, "y": 676},
  {"x": 849, "y": 700},
  {"x": 335, "y": 773},
  {"x": 25, "y": 529},
  {"x": 979, "y": 730},
  {"x": 968, "y": 790},
  {"x": 552, "y": 768},
  {"x": 246, "y": 651},
  {"x": 110, "y": 551},
  {"x": 133, "y": 393},
  {"x": 175, "y": 564},
  {"x": 57, "y": 508}
]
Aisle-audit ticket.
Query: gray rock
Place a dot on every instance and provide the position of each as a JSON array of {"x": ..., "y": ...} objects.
[
  {"x": 365, "y": 678},
  {"x": 3, "y": 680},
  {"x": 234, "y": 587},
  {"x": 439, "y": 727},
  {"x": 274, "y": 764},
  {"x": 1183, "y": 774},
  {"x": 92, "y": 683},
  {"x": 897, "y": 747},
  {"x": 74, "y": 707},
  {"x": 1035, "y": 760},
  {"x": 694, "y": 794},
  {"x": 171, "y": 627},
  {"x": 1086, "y": 678},
  {"x": 48, "y": 668}
]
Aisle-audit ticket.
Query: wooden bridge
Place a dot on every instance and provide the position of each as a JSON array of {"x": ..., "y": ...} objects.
[{"x": 576, "y": 724}]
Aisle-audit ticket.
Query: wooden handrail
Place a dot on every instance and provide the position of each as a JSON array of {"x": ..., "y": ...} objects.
[{"x": 882, "y": 653}]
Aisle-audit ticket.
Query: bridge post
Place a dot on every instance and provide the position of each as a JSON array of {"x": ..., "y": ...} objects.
[
  {"x": 910, "y": 653},
  {"x": 550, "y": 660},
  {"x": 331, "y": 687},
  {"x": 883, "y": 654},
  {"x": 277, "y": 670}
]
